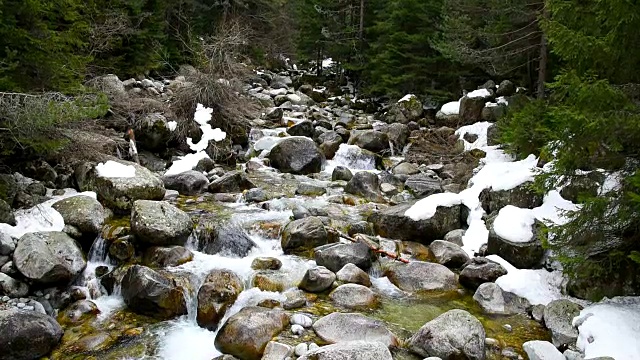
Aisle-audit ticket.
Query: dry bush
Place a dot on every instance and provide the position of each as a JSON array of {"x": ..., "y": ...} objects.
[{"x": 216, "y": 86}]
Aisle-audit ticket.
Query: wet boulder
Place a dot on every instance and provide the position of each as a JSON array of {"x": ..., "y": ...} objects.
[
  {"x": 162, "y": 257},
  {"x": 398, "y": 134},
  {"x": 455, "y": 334},
  {"x": 12, "y": 287},
  {"x": 394, "y": 224},
  {"x": 27, "y": 335},
  {"x": 49, "y": 257},
  {"x": 341, "y": 173},
  {"x": 344, "y": 327},
  {"x": 152, "y": 293},
  {"x": 558, "y": 317},
  {"x": 160, "y": 223},
  {"x": 7, "y": 245},
  {"x": 353, "y": 296},
  {"x": 246, "y": 334},
  {"x": 187, "y": 183},
  {"x": 418, "y": 276},
  {"x": 448, "y": 253},
  {"x": 297, "y": 155},
  {"x": 351, "y": 350},
  {"x": 309, "y": 189},
  {"x": 335, "y": 256},
  {"x": 480, "y": 270},
  {"x": 317, "y": 279},
  {"x": 306, "y": 233},
  {"x": 266, "y": 263},
  {"x": 303, "y": 128},
  {"x": 329, "y": 143},
  {"x": 6, "y": 214},
  {"x": 365, "y": 184},
  {"x": 119, "y": 193},
  {"x": 216, "y": 295},
  {"x": 423, "y": 185},
  {"x": 83, "y": 212},
  {"x": 223, "y": 238},
  {"x": 235, "y": 181},
  {"x": 375, "y": 141},
  {"x": 350, "y": 273},
  {"x": 493, "y": 300}
]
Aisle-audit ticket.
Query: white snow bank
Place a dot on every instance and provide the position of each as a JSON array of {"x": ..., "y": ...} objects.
[
  {"x": 202, "y": 117},
  {"x": 538, "y": 286},
  {"x": 407, "y": 97},
  {"x": 506, "y": 175},
  {"x": 451, "y": 108},
  {"x": 502, "y": 101},
  {"x": 186, "y": 163},
  {"x": 514, "y": 224},
  {"x": 113, "y": 169},
  {"x": 426, "y": 208},
  {"x": 172, "y": 125},
  {"x": 41, "y": 217},
  {"x": 610, "y": 328},
  {"x": 479, "y": 93},
  {"x": 479, "y": 129}
]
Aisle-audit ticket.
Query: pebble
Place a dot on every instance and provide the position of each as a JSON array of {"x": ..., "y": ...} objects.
[
  {"x": 301, "y": 349},
  {"x": 507, "y": 327},
  {"x": 297, "y": 329},
  {"x": 302, "y": 320}
]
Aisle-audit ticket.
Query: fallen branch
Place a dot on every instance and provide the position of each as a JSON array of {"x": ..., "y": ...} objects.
[{"x": 359, "y": 238}]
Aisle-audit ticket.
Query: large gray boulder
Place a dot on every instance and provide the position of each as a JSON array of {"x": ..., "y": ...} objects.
[
  {"x": 109, "y": 84},
  {"x": 353, "y": 296},
  {"x": 216, "y": 295},
  {"x": 418, "y": 276},
  {"x": 542, "y": 350},
  {"x": 306, "y": 233},
  {"x": 398, "y": 135},
  {"x": 448, "y": 253},
  {"x": 160, "y": 223},
  {"x": 365, "y": 184},
  {"x": 7, "y": 244},
  {"x": 455, "y": 334},
  {"x": 8, "y": 188},
  {"x": 521, "y": 196},
  {"x": 351, "y": 350},
  {"x": 119, "y": 193},
  {"x": 187, "y": 183},
  {"x": 235, "y": 181},
  {"x": 223, "y": 238},
  {"x": 152, "y": 132},
  {"x": 521, "y": 254},
  {"x": 27, "y": 335},
  {"x": 350, "y": 273},
  {"x": 246, "y": 334},
  {"x": 423, "y": 185},
  {"x": 152, "y": 293},
  {"x": 335, "y": 256},
  {"x": 162, "y": 257},
  {"x": 341, "y": 173},
  {"x": 471, "y": 109},
  {"x": 344, "y": 327},
  {"x": 372, "y": 140},
  {"x": 297, "y": 155},
  {"x": 506, "y": 88},
  {"x": 83, "y": 212},
  {"x": 480, "y": 270},
  {"x": 317, "y": 279},
  {"x": 6, "y": 214},
  {"x": 12, "y": 287},
  {"x": 49, "y": 257},
  {"x": 404, "y": 111},
  {"x": 558, "y": 317},
  {"x": 493, "y": 300},
  {"x": 392, "y": 223}
]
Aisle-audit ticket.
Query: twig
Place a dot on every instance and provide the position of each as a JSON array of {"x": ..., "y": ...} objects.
[{"x": 359, "y": 239}]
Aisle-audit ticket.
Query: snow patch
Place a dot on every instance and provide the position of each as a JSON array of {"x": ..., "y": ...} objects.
[
  {"x": 610, "y": 328},
  {"x": 113, "y": 169},
  {"x": 407, "y": 97},
  {"x": 172, "y": 125},
  {"x": 426, "y": 208},
  {"x": 186, "y": 163},
  {"x": 479, "y": 93},
  {"x": 514, "y": 224},
  {"x": 451, "y": 108}
]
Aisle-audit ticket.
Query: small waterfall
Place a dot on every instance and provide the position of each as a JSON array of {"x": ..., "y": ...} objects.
[
  {"x": 99, "y": 252},
  {"x": 98, "y": 256},
  {"x": 352, "y": 157},
  {"x": 393, "y": 153}
]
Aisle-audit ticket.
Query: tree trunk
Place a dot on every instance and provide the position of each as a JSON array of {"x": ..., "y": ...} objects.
[
  {"x": 361, "y": 28},
  {"x": 544, "y": 56}
]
